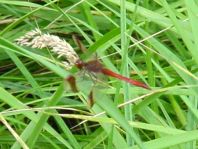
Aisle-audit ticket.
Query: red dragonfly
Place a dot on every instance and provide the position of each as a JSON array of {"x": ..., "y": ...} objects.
[{"x": 96, "y": 67}]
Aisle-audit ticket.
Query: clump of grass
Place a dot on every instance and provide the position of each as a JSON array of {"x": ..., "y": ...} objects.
[{"x": 155, "y": 41}]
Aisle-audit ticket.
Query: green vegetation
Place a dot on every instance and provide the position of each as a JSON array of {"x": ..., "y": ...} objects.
[{"x": 155, "y": 42}]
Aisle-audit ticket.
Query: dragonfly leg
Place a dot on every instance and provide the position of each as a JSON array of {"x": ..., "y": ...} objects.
[{"x": 93, "y": 77}]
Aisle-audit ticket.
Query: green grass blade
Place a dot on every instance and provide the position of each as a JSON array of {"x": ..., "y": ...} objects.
[{"x": 112, "y": 110}]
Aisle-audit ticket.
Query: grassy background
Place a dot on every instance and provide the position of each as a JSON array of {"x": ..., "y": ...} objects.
[{"x": 152, "y": 41}]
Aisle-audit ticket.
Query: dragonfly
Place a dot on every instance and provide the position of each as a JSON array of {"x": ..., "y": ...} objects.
[{"x": 95, "y": 66}]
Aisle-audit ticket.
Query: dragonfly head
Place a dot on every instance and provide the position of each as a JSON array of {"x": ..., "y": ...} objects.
[{"x": 80, "y": 64}]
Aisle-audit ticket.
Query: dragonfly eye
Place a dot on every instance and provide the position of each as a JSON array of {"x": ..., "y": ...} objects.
[{"x": 79, "y": 64}]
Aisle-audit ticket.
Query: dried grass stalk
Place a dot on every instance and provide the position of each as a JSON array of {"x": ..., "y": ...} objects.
[{"x": 37, "y": 39}]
